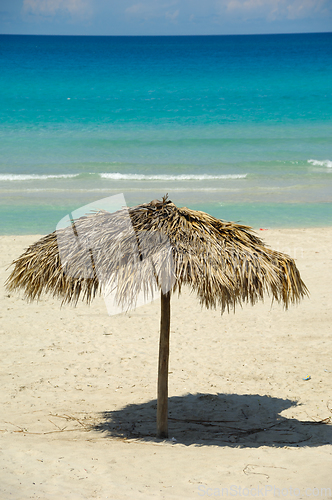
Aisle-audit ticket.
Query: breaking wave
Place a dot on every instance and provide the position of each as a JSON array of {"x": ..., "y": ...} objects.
[
  {"x": 165, "y": 177},
  {"x": 321, "y": 163}
]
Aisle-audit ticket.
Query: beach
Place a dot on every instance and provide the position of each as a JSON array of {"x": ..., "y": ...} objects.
[
  {"x": 235, "y": 126},
  {"x": 249, "y": 393}
]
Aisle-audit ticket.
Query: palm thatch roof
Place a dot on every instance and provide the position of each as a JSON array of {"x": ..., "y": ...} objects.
[{"x": 156, "y": 245}]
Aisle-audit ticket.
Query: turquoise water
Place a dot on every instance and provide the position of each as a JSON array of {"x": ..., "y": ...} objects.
[{"x": 238, "y": 126}]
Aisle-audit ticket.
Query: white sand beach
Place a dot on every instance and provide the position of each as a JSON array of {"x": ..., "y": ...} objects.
[{"x": 78, "y": 393}]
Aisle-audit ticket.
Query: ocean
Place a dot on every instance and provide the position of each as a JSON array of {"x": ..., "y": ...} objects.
[{"x": 237, "y": 126}]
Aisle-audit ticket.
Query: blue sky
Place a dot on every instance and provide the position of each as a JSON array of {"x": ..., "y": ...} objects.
[{"x": 164, "y": 17}]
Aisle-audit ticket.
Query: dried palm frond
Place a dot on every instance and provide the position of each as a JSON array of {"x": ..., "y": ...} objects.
[{"x": 156, "y": 245}]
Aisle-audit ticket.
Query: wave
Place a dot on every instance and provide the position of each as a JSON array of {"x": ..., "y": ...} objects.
[
  {"x": 127, "y": 190},
  {"x": 321, "y": 163},
  {"x": 165, "y": 177},
  {"x": 32, "y": 177},
  {"x": 121, "y": 177}
]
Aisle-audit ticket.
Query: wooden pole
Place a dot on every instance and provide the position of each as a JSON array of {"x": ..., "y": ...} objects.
[{"x": 162, "y": 400}]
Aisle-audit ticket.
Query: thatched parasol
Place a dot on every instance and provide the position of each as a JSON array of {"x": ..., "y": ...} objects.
[{"x": 156, "y": 246}]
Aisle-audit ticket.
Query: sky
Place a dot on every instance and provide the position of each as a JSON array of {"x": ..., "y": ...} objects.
[{"x": 164, "y": 17}]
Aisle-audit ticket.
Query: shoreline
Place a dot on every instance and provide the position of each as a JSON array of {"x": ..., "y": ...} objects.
[
  {"x": 43, "y": 218},
  {"x": 257, "y": 229}
]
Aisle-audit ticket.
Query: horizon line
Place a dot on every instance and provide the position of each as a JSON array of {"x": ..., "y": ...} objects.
[{"x": 173, "y": 36}]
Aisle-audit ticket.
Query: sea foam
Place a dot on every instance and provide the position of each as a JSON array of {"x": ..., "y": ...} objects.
[
  {"x": 165, "y": 177},
  {"x": 30, "y": 177},
  {"x": 321, "y": 163},
  {"x": 123, "y": 177}
]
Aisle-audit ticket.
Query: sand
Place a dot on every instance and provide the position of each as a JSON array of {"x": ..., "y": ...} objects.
[{"x": 78, "y": 393}]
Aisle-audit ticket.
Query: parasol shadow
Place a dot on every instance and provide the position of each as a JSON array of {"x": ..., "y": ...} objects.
[{"x": 218, "y": 420}]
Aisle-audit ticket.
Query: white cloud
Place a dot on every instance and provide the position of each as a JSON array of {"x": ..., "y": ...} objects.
[
  {"x": 246, "y": 4},
  {"x": 135, "y": 9},
  {"x": 172, "y": 16},
  {"x": 272, "y": 10},
  {"x": 46, "y": 8},
  {"x": 152, "y": 10},
  {"x": 168, "y": 16},
  {"x": 304, "y": 8}
]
